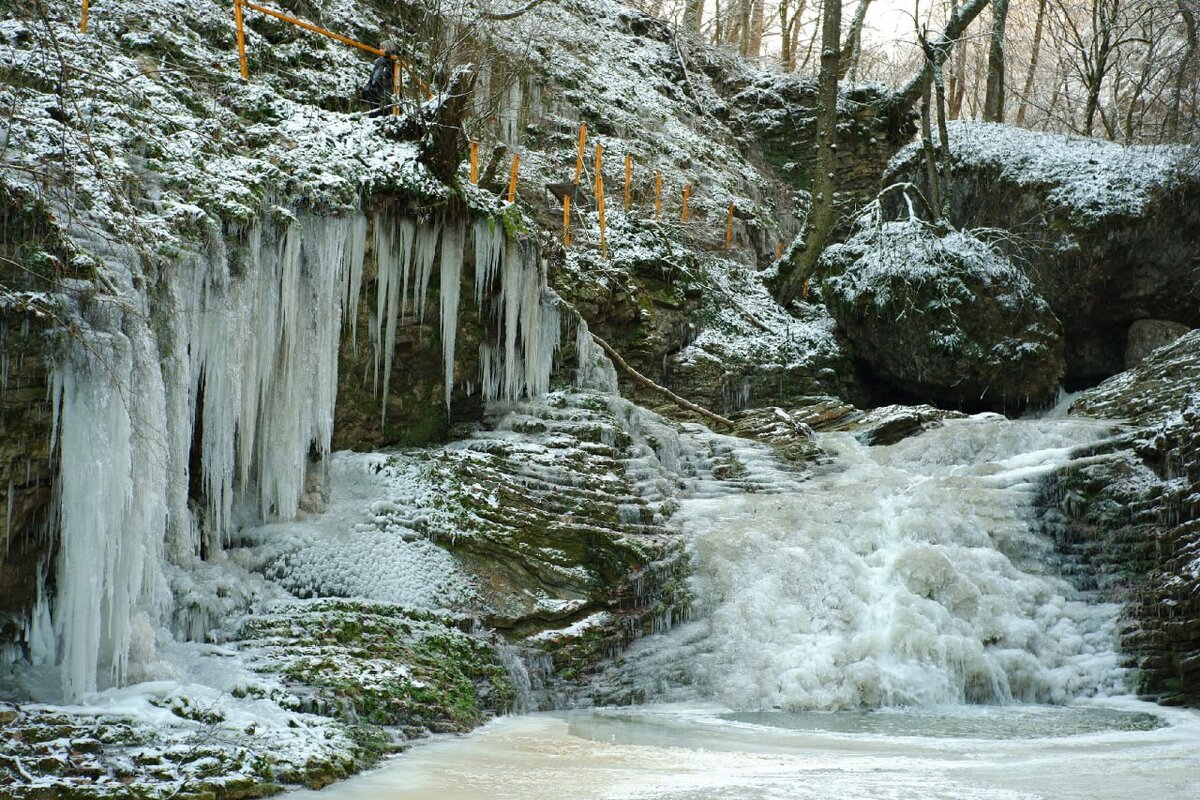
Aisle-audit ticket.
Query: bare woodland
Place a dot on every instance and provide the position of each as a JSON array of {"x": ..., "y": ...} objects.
[{"x": 1125, "y": 70}]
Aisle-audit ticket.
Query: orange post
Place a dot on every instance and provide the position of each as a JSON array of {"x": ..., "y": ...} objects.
[
  {"x": 804, "y": 290},
  {"x": 512, "y": 178},
  {"x": 628, "y": 178},
  {"x": 566, "y": 220},
  {"x": 687, "y": 189},
  {"x": 657, "y": 194},
  {"x": 599, "y": 180},
  {"x": 778, "y": 250},
  {"x": 729, "y": 227},
  {"x": 83, "y": 19},
  {"x": 397, "y": 87},
  {"x": 241, "y": 38},
  {"x": 474, "y": 162},
  {"x": 579, "y": 157}
]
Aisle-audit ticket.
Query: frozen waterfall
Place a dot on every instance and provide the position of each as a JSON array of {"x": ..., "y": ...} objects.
[
  {"x": 226, "y": 362},
  {"x": 905, "y": 575}
]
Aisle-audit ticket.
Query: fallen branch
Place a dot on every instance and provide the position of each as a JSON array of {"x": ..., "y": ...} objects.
[{"x": 664, "y": 391}]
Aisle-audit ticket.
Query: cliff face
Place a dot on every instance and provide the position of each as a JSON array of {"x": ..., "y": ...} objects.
[{"x": 1133, "y": 516}]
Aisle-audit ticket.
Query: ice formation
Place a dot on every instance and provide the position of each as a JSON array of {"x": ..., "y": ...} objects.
[
  {"x": 911, "y": 575},
  {"x": 239, "y": 358}
]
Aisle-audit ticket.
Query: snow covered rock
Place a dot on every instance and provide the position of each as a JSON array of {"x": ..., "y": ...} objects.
[
  {"x": 1132, "y": 515},
  {"x": 1107, "y": 233},
  {"x": 942, "y": 316}
]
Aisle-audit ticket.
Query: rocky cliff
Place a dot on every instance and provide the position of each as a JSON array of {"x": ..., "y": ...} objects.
[{"x": 1132, "y": 515}]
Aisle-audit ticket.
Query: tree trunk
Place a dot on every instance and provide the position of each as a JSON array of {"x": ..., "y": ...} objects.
[
  {"x": 993, "y": 105},
  {"x": 931, "y": 169},
  {"x": 1189, "y": 21},
  {"x": 756, "y": 28},
  {"x": 1027, "y": 89},
  {"x": 745, "y": 10},
  {"x": 958, "y": 81},
  {"x": 821, "y": 217},
  {"x": 797, "y": 18},
  {"x": 850, "y": 52},
  {"x": 693, "y": 15}
]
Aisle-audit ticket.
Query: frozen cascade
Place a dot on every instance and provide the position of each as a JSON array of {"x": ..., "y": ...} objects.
[
  {"x": 112, "y": 491},
  {"x": 903, "y": 575},
  {"x": 264, "y": 362},
  {"x": 510, "y": 287},
  {"x": 241, "y": 351},
  {"x": 251, "y": 355}
]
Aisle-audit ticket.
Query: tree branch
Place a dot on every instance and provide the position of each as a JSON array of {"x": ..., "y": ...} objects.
[{"x": 664, "y": 391}]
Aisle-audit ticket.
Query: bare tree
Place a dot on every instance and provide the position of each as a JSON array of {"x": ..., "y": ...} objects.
[
  {"x": 820, "y": 219},
  {"x": 1027, "y": 88},
  {"x": 790, "y": 12},
  {"x": 1188, "y": 13},
  {"x": 993, "y": 106},
  {"x": 852, "y": 49}
]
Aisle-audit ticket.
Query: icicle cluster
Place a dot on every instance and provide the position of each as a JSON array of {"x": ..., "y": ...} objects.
[
  {"x": 241, "y": 363},
  {"x": 233, "y": 371},
  {"x": 510, "y": 288}
]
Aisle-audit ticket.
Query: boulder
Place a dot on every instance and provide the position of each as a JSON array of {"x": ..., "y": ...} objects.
[
  {"x": 942, "y": 316},
  {"x": 1147, "y": 335}
]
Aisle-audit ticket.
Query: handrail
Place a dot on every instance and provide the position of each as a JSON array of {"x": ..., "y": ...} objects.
[{"x": 337, "y": 37}]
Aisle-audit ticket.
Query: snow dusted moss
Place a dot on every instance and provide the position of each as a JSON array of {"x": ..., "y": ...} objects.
[{"x": 942, "y": 314}]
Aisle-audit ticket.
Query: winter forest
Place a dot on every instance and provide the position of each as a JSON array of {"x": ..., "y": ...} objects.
[{"x": 599, "y": 399}]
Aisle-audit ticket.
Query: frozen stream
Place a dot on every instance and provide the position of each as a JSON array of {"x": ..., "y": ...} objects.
[
  {"x": 689, "y": 753},
  {"x": 896, "y": 628}
]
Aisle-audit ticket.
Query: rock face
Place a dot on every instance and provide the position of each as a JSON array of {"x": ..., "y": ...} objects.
[
  {"x": 1147, "y": 335},
  {"x": 1133, "y": 515},
  {"x": 943, "y": 316},
  {"x": 32, "y": 255},
  {"x": 1106, "y": 233}
]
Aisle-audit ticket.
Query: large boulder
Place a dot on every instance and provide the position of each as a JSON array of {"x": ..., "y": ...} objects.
[
  {"x": 942, "y": 316},
  {"x": 1106, "y": 232}
]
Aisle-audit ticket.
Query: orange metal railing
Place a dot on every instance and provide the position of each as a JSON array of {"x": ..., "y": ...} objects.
[{"x": 337, "y": 37}]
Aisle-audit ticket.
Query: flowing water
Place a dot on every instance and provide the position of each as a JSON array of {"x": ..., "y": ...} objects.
[{"x": 896, "y": 627}]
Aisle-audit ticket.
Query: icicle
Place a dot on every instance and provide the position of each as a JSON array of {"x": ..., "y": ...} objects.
[
  {"x": 489, "y": 250},
  {"x": 393, "y": 257},
  {"x": 352, "y": 273},
  {"x": 450, "y": 282},
  {"x": 424, "y": 249},
  {"x": 489, "y": 375},
  {"x": 512, "y": 285}
]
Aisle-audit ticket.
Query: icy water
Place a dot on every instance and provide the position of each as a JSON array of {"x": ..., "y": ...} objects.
[
  {"x": 689, "y": 753},
  {"x": 894, "y": 627}
]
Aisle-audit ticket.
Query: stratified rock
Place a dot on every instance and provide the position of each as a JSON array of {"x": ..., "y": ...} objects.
[
  {"x": 878, "y": 426},
  {"x": 943, "y": 316},
  {"x": 1132, "y": 515},
  {"x": 1147, "y": 335},
  {"x": 792, "y": 439},
  {"x": 1107, "y": 233}
]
